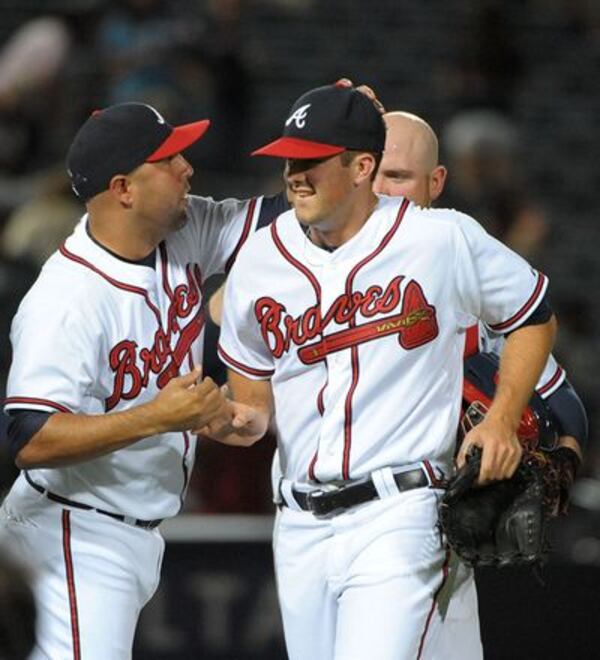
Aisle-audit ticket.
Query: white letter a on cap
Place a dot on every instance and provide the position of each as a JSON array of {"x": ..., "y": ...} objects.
[{"x": 298, "y": 117}]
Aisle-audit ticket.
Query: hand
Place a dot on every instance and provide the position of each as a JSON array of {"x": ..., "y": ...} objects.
[
  {"x": 363, "y": 89},
  {"x": 501, "y": 449},
  {"x": 187, "y": 403},
  {"x": 247, "y": 425}
]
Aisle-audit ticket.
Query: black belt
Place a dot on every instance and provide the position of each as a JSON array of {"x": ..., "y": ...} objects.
[
  {"x": 145, "y": 524},
  {"x": 331, "y": 502}
]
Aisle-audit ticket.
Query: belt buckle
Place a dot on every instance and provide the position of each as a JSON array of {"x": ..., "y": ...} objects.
[{"x": 321, "y": 503}]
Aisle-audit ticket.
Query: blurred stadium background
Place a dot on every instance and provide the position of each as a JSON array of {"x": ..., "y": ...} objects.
[{"x": 511, "y": 87}]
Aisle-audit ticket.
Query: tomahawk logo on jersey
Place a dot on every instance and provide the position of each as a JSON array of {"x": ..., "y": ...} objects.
[{"x": 415, "y": 324}]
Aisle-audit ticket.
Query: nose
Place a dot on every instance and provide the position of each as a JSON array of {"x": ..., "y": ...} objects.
[{"x": 183, "y": 165}]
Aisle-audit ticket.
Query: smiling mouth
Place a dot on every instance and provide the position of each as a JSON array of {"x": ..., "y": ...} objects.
[{"x": 302, "y": 192}]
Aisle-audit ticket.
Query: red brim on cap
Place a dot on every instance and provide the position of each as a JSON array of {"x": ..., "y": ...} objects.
[
  {"x": 181, "y": 138},
  {"x": 290, "y": 147}
]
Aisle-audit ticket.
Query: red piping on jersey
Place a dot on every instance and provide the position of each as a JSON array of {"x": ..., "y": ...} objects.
[
  {"x": 37, "y": 402},
  {"x": 265, "y": 373},
  {"x": 471, "y": 341},
  {"x": 186, "y": 339},
  {"x": 164, "y": 261},
  {"x": 354, "y": 351},
  {"x": 70, "y": 573},
  {"x": 317, "y": 288},
  {"x": 297, "y": 264},
  {"x": 320, "y": 402},
  {"x": 244, "y": 236},
  {"x": 311, "y": 467},
  {"x": 434, "y": 602},
  {"x": 321, "y": 409},
  {"x": 116, "y": 283},
  {"x": 558, "y": 374},
  {"x": 499, "y": 327},
  {"x": 184, "y": 467}
]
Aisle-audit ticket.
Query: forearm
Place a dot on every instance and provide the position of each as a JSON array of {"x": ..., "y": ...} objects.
[
  {"x": 523, "y": 358},
  {"x": 66, "y": 439}
]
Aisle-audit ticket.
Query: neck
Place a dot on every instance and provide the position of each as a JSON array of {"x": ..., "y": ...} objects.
[
  {"x": 351, "y": 219},
  {"x": 125, "y": 239}
]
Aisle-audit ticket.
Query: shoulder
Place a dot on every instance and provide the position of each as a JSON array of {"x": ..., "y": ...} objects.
[
  {"x": 63, "y": 290},
  {"x": 206, "y": 208},
  {"x": 444, "y": 219}
]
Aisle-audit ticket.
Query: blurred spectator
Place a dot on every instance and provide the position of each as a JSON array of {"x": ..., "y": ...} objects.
[
  {"x": 30, "y": 63},
  {"x": 486, "y": 181},
  {"x": 44, "y": 73},
  {"x": 136, "y": 42},
  {"x": 37, "y": 228}
]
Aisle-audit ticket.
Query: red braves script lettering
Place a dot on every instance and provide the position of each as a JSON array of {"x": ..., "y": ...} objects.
[
  {"x": 132, "y": 366},
  {"x": 415, "y": 324}
]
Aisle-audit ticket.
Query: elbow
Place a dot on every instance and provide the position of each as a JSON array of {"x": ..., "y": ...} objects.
[
  {"x": 26, "y": 459},
  {"x": 33, "y": 455}
]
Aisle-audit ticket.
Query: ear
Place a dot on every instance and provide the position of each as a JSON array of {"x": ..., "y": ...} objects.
[
  {"x": 120, "y": 189},
  {"x": 364, "y": 166},
  {"x": 437, "y": 181}
]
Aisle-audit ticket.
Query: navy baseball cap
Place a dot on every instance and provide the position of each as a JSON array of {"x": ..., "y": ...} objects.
[
  {"x": 118, "y": 139},
  {"x": 327, "y": 121}
]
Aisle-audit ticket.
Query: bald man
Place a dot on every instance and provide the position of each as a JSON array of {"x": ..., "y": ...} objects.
[{"x": 410, "y": 168}]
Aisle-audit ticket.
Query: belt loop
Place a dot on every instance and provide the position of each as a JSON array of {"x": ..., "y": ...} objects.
[
  {"x": 277, "y": 496},
  {"x": 285, "y": 488},
  {"x": 384, "y": 482}
]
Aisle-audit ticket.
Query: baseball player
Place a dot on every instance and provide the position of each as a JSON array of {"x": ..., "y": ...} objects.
[
  {"x": 347, "y": 318},
  {"x": 410, "y": 168},
  {"x": 104, "y": 392}
]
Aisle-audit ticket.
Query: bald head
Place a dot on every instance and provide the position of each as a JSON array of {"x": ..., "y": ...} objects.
[{"x": 410, "y": 160}]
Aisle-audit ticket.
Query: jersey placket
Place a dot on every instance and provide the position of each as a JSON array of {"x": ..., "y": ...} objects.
[{"x": 330, "y": 457}]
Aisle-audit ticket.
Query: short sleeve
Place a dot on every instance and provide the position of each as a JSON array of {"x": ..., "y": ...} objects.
[
  {"x": 55, "y": 361},
  {"x": 553, "y": 375},
  {"x": 494, "y": 283},
  {"x": 241, "y": 345}
]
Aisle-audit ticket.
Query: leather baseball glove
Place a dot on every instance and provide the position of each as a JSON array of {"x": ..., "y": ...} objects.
[{"x": 506, "y": 522}]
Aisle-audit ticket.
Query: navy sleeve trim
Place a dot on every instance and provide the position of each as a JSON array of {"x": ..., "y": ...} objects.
[
  {"x": 569, "y": 413},
  {"x": 22, "y": 426},
  {"x": 272, "y": 207}
]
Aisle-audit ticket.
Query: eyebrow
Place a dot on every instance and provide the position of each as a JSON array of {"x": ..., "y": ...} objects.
[{"x": 397, "y": 171}]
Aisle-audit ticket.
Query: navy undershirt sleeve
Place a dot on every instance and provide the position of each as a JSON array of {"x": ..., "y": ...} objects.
[
  {"x": 569, "y": 413},
  {"x": 271, "y": 207},
  {"x": 22, "y": 426}
]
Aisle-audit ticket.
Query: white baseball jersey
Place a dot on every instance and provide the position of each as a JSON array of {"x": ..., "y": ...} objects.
[
  {"x": 97, "y": 334},
  {"x": 364, "y": 345}
]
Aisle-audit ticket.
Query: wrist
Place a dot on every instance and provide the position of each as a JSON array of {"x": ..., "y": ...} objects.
[
  {"x": 503, "y": 418},
  {"x": 150, "y": 420}
]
